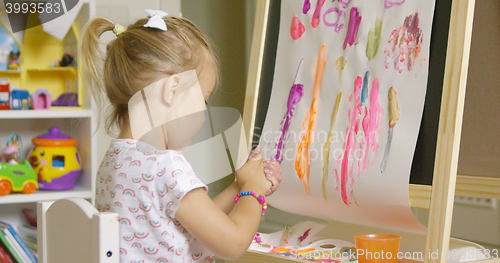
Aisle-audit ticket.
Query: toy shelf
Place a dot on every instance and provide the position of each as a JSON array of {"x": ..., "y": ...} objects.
[
  {"x": 41, "y": 195},
  {"x": 53, "y": 113},
  {"x": 70, "y": 72},
  {"x": 10, "y": 72},
  {"x": 38, "y": 50}
]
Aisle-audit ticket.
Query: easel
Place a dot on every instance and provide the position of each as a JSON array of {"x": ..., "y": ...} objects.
[{"x": 438, "y": 198}]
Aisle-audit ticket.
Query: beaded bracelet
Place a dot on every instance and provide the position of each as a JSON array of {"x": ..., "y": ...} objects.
[{"x": 260, "y": 198}]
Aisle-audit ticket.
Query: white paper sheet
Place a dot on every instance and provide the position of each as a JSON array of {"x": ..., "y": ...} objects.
[{"x": 356, "y": 190}]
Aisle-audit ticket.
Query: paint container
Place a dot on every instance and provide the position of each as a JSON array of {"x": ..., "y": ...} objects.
[{"x": 374, "y": 248}]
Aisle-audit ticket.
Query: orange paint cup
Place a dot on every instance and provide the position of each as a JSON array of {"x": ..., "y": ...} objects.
[{"x": 374, "y": 248}]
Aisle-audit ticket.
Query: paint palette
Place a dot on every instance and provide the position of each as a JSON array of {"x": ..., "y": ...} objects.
[{"x": 326, "y": 250}]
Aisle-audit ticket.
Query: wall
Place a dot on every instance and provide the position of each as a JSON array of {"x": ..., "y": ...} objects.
[{"x": 224, "y": 23}]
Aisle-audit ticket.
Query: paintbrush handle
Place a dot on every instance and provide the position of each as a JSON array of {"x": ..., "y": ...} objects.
[{"x": 285, "y": 236}]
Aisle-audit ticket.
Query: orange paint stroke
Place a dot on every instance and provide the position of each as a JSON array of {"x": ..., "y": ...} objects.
[{"x": 303, "y": 157}]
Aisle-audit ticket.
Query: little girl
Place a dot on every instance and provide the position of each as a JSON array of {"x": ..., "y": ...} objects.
[{"x": 164, "y": 211}]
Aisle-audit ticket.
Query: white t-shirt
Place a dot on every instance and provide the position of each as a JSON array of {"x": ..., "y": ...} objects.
[{"x": 145, "y": 189}]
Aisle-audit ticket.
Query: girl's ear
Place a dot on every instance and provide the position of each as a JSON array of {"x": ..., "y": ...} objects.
[{"x": 170, "y": 88}]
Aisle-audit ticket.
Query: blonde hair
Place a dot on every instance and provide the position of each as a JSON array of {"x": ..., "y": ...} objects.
[{"x": 139, "y": 57}]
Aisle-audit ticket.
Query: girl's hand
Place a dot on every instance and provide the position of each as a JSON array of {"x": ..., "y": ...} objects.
[
  {"x": 251, "y": 174},
  {"x": 272, "y": 169}
]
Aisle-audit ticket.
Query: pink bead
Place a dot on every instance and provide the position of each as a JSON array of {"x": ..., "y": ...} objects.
[{"x": 260, "y": 198}]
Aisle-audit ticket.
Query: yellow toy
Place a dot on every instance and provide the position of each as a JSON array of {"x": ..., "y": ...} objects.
[{"x": 56, "y": 160}]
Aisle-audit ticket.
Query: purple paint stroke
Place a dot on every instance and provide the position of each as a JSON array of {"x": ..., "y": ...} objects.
[
  {"x": 306, "y": 7},
  {"x": 352, "y": 30},
  {"x": 295, "y": 95},
  {"x": 305, "y": 235},
  {"x": 344, "y": 4},
  {"x": 389, "y": 4},
  {"x": 336, "y": 26}
]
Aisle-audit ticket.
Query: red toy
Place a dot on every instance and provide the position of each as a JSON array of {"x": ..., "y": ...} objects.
[{"x": 4, "y": 94}]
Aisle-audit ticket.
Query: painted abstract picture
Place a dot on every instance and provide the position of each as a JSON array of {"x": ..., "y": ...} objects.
[{"x": 348, "y": 71}]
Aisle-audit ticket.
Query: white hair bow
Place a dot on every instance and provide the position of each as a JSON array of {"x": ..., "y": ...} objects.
[{"x": 155, "y": 19}]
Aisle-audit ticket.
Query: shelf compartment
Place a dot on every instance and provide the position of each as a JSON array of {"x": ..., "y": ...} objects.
[
  {"x": 43, "y": 195},
  {"x": 53, "y": 113}
]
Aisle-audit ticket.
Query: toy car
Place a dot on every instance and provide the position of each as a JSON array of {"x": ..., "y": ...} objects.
[{"x": 18, "y": 178}]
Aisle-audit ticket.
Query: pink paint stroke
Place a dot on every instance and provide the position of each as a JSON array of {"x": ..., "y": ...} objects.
[
  {"x": 389, "y": 4},
  {"x": 336, "y": 179},
  {"x": 335, "y": 25},
  {"x": 371, "y": 127},
  {"x": 352, "y": 30},
  {"x": 350, "y": 143},
  {"x": 297, "y": 29},
  {"x": 294, "y": 97},
  {"x": 317, "y": 12},
  {"x": 370, "y": 123}
]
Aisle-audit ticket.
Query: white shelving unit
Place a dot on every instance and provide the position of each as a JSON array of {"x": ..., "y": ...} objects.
[
  {"x": 78, "y": 122},
  {"x": 45, "y": 114}
]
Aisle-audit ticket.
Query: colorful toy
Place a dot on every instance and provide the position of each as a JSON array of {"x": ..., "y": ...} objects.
[
  {"x": 66, "y": 60},
  {"x": 55, "y": 160},
  {"x": 11, "y": 154},
  {"x": 16, "y": 174},
  {"x": 66, "y": 99},
  {"x": 20, "y": 96},
  {"x": 14, "y": 60},
  {"x": 18, "y": 178},
  {"x": 15, "y": 139},
  {"x": 41, "y": 99},
  {"x": 4, "y": 94}
]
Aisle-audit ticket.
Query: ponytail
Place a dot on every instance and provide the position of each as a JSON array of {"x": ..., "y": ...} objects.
[{"x": 92, "y": 58}]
